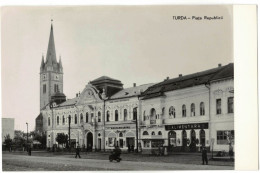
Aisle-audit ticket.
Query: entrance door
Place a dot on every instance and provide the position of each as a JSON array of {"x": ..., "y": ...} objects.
[
  {"x": 184, "y": 140},
  {"x": 192, "y": 141},
  {"x": 130, "y": 142},
  {"x": 172, "y": 140},
  {"x": 202, "y": 137},
  {"x": 89, "y": 141},
  {"x": 99, "y": 144}
]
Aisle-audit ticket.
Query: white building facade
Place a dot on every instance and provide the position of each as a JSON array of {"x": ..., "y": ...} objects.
[{"x": 181, "y": 114}]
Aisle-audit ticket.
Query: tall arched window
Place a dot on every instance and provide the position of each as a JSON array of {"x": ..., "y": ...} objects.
[
  {"x": 58, "y": 120},
  {"x": 202, "y": 108},
  {"x": 192, "y": 110},
  {"x": 144, "y": 116},
  {"x": 163, "y": 110},
  {"x": 63, "y": 119},
  {"x": 87, "y": 117},
  {"x": 49, "y": 121},
  {"x": 108, "y": 116},
  {"x": 81, "y": 117},
  {"x": 134, "y": 113},
  {"x": 99, "y": 116},
  {"x": 153, "y": 116},
  {"x": 183, "y": 110},
  {"x": 171, "y": 112},
  {"x": 116, "y": 115},
  {"x": 125, "y": 115},
  {"x": 202, "y": 137},
  {"x": 76, "y": 119}
]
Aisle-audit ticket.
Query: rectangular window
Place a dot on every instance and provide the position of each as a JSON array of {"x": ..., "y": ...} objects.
[
  {"x": 231, "y": 105},
  {"x": 225, "y": 137},
  {"x": 218, "y": 106},
  {"x": 44, "y": 88},
  {"x": 146, "y": 144}
]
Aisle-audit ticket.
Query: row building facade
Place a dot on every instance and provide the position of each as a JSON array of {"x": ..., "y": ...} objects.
[{"x": 180, "y": 114}]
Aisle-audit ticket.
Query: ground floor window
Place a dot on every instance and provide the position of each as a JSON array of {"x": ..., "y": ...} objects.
[
  {"x": 224, "y": 137},
  {"x": 146, "y": 144},
  {"x": 111, "y": 142},
  {"x": 156, "y": 143}
]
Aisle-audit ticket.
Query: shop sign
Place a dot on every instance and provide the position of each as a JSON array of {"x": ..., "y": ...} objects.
[
  {"x": 126, "y": 127},
  {"x": 187, "y": 126}
]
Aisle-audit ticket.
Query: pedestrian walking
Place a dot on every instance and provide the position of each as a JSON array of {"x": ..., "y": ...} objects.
[
  {"x": 204, "y": 156},
  {"x": 30, "y": 151},
  {"x": 77, "y": 152}
]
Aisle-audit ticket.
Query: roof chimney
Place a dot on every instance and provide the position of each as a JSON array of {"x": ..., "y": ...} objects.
[
  {"x": 77, "y": 95},
  {"x": 167, "y": 78},
  {"x": 180, "y": 75},
  {"x": 219, "y": 65},
  {"x": 134, "y": 84}
]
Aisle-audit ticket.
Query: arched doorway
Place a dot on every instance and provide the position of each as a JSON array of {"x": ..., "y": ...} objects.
[
  {"x": 184, "y": 140},
  {"x": 202, "y": 137},
  {"x": 89, "y": 141},
  {"x": 192, "y": 141},
  {"x": 172, "y": 140}
]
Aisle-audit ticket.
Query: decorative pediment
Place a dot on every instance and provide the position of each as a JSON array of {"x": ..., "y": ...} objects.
[{"x": 89, "y": 95}]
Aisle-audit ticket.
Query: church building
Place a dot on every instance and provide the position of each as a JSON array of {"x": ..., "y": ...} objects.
[{"x": 180, "y": 114}]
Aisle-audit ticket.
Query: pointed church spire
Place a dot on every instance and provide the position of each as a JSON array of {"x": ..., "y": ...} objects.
[{"x": 51, "y": 53}]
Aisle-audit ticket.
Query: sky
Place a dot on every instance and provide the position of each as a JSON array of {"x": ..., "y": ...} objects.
[{"x": 134, "y": 44}]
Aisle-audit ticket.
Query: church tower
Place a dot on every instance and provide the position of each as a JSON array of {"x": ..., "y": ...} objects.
[{"x": 51, "y": 74}]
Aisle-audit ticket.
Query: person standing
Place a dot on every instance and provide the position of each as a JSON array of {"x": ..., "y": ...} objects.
[
  {"x": 77, "y": 152},
  {"x": 204, "y": 156}
]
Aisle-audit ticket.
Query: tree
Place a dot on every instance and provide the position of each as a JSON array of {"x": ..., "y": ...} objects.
[
  {"x": 8, "y": 141},
  {"x": 62, "y": 138},
  {"x": 40, "y": 138}
]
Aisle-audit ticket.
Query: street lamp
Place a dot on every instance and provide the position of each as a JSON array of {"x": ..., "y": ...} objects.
[
  {"x": 69, "y": 130},
  {"x": 27, "y": 137}
]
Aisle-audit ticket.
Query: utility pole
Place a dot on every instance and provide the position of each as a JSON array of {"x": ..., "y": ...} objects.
[
  {"x": 69, "y": 130},
  {"x": 27, "y": 137}
]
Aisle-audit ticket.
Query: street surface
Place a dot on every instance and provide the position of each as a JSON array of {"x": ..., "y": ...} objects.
[{"x": 13, "y": 162}]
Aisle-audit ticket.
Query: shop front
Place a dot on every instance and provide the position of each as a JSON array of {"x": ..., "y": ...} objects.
[{"x": 187, "y": 137}]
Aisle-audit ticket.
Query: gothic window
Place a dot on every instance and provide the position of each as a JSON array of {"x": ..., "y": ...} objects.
[
  {"x": 99, "y": 116},
  {"x": 144, "y": 116},
  {"x": 125, "y": 115},
  {"x": 58, "y": 120},
  {"x": 76, "y": 119},
  {"x": 116, "y": 115},
  {"x": 44, "y": 88},
  {"x": 159, "y": 133},
  {"x": 49, "y": 121},
  {"x": 202, "y": 108},
  {"x": 81, "y": 118},
  {"x": 56, "y": 88},
  {"x": 172, "y": 112},
  {"x": 192, "y": 109},
  {"x": 218, "y": 106},
  {"x": 87, "y": 117},
  {"x": 231, "y": 105},
  {"x": 108, "y": 116},
  {"x": 120, "y": 134},
  {"x": 183, "y": 110},
  {"x": 153, "y": 133}
]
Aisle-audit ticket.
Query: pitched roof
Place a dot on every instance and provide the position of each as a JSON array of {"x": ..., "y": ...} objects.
[
  {"x": 190, "y": 80},
  {"x": 70, "y": 102},
  {"x": 103, "y": 78},
  {"x": 130, "y": 92}
]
